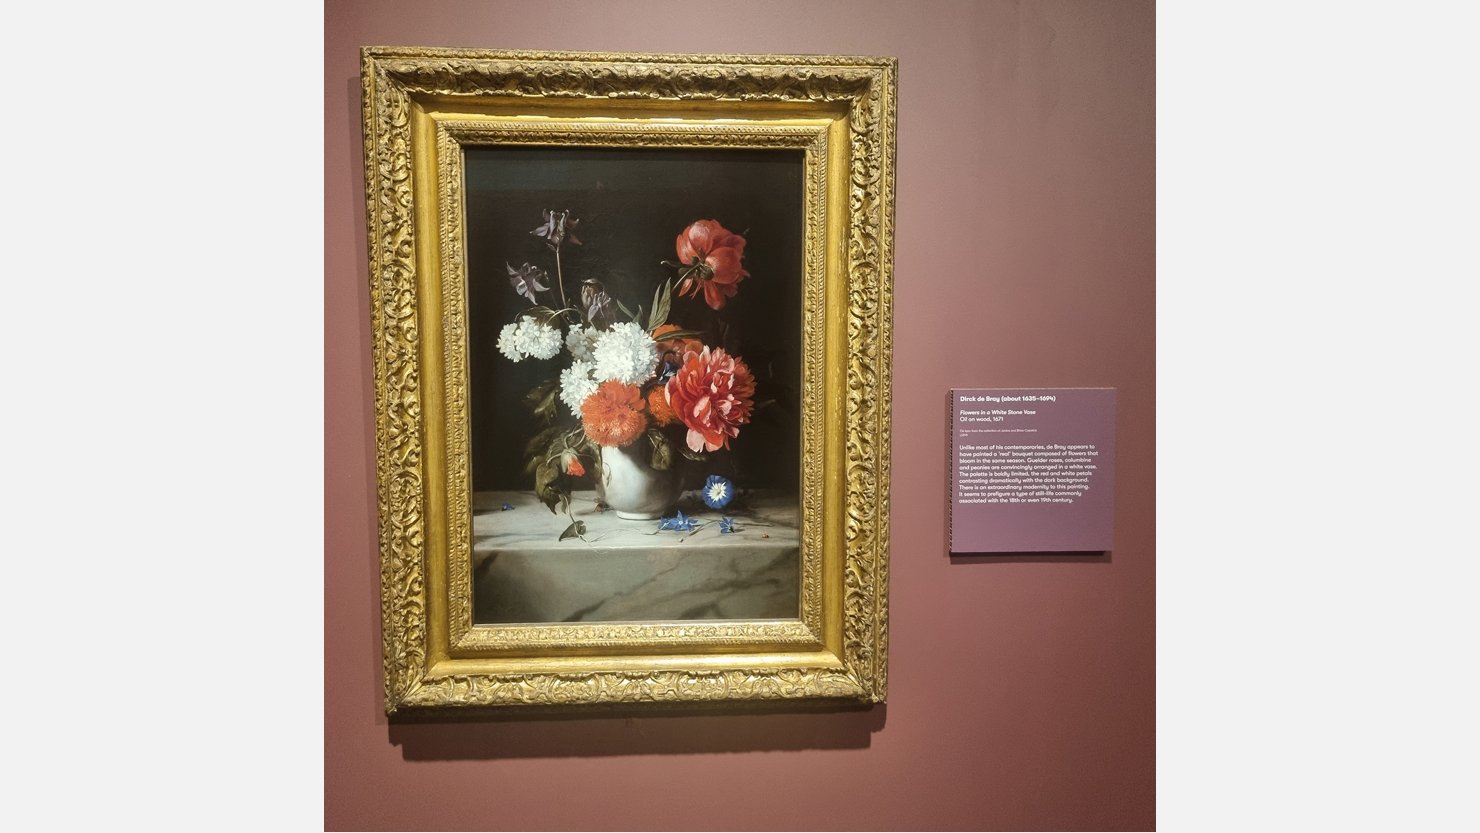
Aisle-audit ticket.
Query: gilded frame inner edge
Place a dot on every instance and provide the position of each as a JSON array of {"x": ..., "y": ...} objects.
[
  {"x": 857, "y": 263},
  {"x": 469, "y": 640}
]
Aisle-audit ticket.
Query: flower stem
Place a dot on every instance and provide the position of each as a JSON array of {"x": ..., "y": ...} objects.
[{"x": 560, "y": 278}]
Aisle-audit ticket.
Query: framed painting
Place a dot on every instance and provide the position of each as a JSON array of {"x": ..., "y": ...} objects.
[{"x": 631, "y": 319}]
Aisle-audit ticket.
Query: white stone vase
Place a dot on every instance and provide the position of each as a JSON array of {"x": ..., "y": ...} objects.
[{"x": 633, "y": 488}]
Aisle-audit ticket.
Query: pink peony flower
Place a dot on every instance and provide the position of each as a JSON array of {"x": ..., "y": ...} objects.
[{"x": 712, "y": 395}]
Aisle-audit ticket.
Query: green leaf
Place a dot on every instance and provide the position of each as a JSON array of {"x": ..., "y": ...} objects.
[
  {"x": 555, "y": 453},
  {"x": 662, "y": 456},
  {"x": 623, "y": 307},
  {"x": 581, "y": 444},
  {"x": 690, "y": 453},
  {"x": 575, "y": 530},
  {"x": 547, "y": 487},
  {"x": 536, "y": 449},
  {"x": 662, "y": 302},
  {"x": 544, "y": 476},
  {"x": 542, "y": 399}
]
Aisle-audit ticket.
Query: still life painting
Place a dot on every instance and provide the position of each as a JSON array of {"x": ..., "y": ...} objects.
[{"x": 635, "y": 357}]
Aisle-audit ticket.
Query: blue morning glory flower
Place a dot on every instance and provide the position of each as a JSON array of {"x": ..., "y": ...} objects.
[
  {"x": 718, "y": 492},
  {"x": 678, "y": 523},
  {"x": 727, "y": 524},
  {"x": 506, "y": 507}
]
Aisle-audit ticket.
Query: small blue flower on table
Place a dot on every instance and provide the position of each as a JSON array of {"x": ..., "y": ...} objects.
[
  {"x": 717, "y": 492},
  {"x": 678, "y": 523},
  {"x": 506, "y": 507},
  {"x": 726, "y": 524}
]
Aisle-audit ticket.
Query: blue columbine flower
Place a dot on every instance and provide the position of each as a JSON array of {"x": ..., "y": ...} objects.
[
  {"x": 678, "y": 523},
  {"x": 718, "y": 492},
  {"x": 727, "y": 524}
]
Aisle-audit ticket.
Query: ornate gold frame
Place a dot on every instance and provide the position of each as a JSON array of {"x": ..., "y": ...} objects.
[{"x": 420, "y": 107}]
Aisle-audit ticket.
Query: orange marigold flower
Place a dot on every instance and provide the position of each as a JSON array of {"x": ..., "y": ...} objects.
[
  {"x": 657, "y": 401},
  {"x": 712, "y": 394},
  {"x": 613, "y": 414},
  {"x": 678, "y": 347}
]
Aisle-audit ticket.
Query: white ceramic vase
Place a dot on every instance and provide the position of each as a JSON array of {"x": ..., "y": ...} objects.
[{"x": 633, "y": 488}]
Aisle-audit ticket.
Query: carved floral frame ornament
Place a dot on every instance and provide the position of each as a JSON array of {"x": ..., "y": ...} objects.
[{"x": 421, "y": 107}]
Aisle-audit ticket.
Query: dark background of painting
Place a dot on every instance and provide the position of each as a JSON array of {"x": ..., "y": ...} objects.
[
  {"x": 1022, "y": 691},
  {"x": 632, "y": 204}
]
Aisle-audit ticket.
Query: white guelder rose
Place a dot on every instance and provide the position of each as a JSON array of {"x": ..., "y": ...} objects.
[
  {"x": 576, "y": 384},
  {"x": 625, "y": 353},
  {"x": 529, "y": 338}
]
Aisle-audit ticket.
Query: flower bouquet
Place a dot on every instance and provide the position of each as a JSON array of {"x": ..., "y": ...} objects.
[{"x": 634, "y": 389}]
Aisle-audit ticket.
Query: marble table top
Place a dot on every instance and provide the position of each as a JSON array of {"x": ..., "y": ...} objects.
[{"x": 624, "y": 570}]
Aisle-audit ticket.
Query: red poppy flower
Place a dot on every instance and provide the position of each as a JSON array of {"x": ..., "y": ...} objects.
[
  {"x": 613, "y": 414},
  {"x": 711, "y": 256},
  {"x": 573, "y": 466},
  {"x": 712, "y": 395}
]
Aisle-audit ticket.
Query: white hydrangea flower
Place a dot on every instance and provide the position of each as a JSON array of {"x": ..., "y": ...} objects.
[
  {"x": 543, "y": 340},
  {"x": 576, "y": 383},
  {"x": 508, "y": 343},
  {"x": 527, "y": 337},
  {"x": 580, "y": 340},
  {"x": 625, "y": 353}
]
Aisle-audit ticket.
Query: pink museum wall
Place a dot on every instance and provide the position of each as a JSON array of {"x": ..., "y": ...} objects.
[{"x": 1022, "y": 693}]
